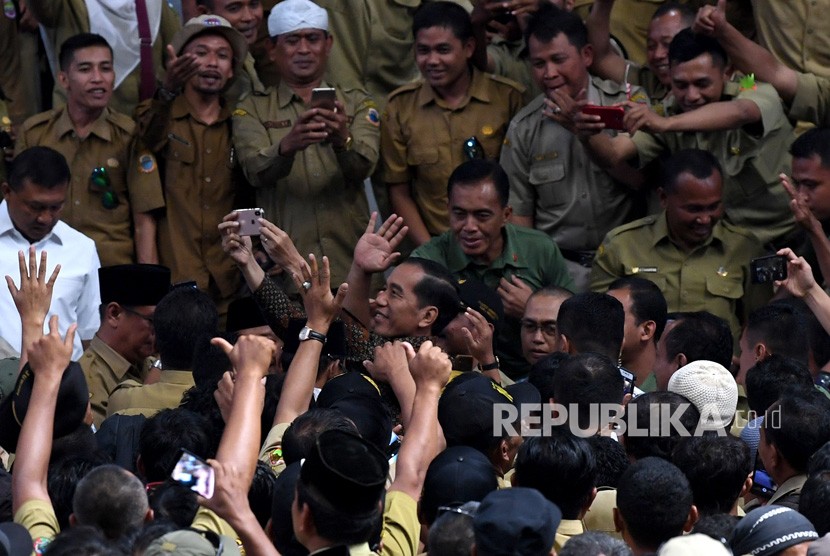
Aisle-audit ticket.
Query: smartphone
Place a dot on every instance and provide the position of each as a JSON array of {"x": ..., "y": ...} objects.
[
  {"x": 249, "y": 224},
  {"x": 628, "y": 381},
  {"x": 762, "y": 483},
  {"x": 768, "y": 269},
  {"x": 323, "y": 97},
  {"x": 611, "y": 116},
  {"x": 194, "y": 473}
]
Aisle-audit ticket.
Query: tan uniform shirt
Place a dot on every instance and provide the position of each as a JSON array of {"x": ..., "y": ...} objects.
[
  {"x": 199, "y": 189},
  {"x": 317, "y": 196},
  {"x": 795, "y": 32},
  {"x": 65, "y": 18},
  {"x": 147, "y": 400},
  {"x": 104, "y": 369},
  {"x": 132, "y": 171},
  {"x": 812, "y": 100},
  {"x": 19, "y": 87},
  {"x": 751, "y": 160},
  {"x": 422, "y": 140},
  {"x": 713, "y": 277}
]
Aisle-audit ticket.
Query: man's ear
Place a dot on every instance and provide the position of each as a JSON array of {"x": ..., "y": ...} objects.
[
  {"x": 761, "y": 352},
  {"x": 619, "y": 522},
  {"x": 747, "y": 486},
  {"x": 681, "y": 360},
  {"x": 661, "y": 195},
  {"x": 5, "y": 188},
  {"x": 691, "y": 519},
  {"x": 563, "y": 344},
  {"x": 149, "y": 516},
  {"x": 647, "y": 331},
  {"x": 111, "y": 313},
  {"x": 63, "y": 79},
  {"x": 429, "y": 316},
  {"x": 588, "y": 502},
  {"x": 73, "y": 521}
]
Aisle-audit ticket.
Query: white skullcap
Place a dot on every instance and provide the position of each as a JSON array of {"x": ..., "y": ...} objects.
[
  {"x": 711, "y": 388},
  {"x": 292, "y": 15}
]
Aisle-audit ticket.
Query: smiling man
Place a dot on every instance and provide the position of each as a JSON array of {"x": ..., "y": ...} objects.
[
  {"x": 453, "y": 114},
  {"x": 512, "y": 260},
  {"x": 115, "y": 182},
  {"x": 700, "y": 262},
  {"x": 187, "y": 125}
]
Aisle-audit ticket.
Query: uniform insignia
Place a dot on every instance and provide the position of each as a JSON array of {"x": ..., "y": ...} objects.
[
  {"x": 373, "y": 117},
  {"x": 146, "y": 163},
  {"x": 639, "y": 96},
  {"x": 112, "y": 162},
  {"x": 212, "y": 22},
  {"x": 735, "y": 150},
  {"x": 6, "y": 121},
  {"x": 487, "y": 130},
  {"x": 8, "y": 9},
  {"x": 39, "y": 545},
  {"x": 501, "y": 391},
  {"x": 240, "y": 112},
  {"x": 601, "y": 250},
  {"x": 645, "y": 269},
  {"x": 277, "y": 125},
  {"x": 722, "y": 272},
  {"x": 747, "y": 83}
]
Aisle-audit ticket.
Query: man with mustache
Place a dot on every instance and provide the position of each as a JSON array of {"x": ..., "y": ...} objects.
[{"x": 187, "y": 125}]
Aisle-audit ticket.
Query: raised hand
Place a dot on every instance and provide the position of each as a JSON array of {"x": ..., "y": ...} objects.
[
  {"x": 800, "y": 278},
  {"x": 478, "y": 337},
  {"x": 34, "y": 296},
  {"x": 389, "y": 361},
  {"x": 50, "y": 354},
  {"x": 431, "y": 366},
  {"x": 375, "y": 251},
  {"x": 802, "y": 213},
  {"x": 238, "y": 247},
  {"x": 250, "y": 355},
  {"x": 514, "y": 294},
  {"x": 314, "y": 286},
  {"x": 179, "y": 69}
]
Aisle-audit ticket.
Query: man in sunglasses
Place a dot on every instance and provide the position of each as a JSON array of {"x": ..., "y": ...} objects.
[{"x": 115, "y": 182}]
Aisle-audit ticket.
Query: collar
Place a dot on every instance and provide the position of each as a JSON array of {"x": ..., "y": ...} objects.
[
  {"x": 510, "y": 256},
  {"x": 7, "y": 228},
  {"x": 570, "y": 527},
  {"x": 181, "y": 108},
  {"x": 64, "y": 125},
  {"x": 477, "y": 89},
  {"x": 112, "y": 358},
  {"x": 792, "y": 485},
  {"x": 661, "y": 233}
]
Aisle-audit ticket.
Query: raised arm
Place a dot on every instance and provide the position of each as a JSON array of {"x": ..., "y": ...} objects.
[
  {"x": 48, "y": 358},
  {"x": 716, "y": 116},
  {"x": 801, "y": 283},
  {"x": 607, "y": 63},
  {"x": 807, "y": 220}
]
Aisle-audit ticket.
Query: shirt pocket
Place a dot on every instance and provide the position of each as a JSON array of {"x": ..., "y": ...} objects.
[
  {"x": 179, "y": 157},
  {"x": 421, "y": 156},
  {"x": 725, "y": 286},
  {"x": 548, "y": 178}
]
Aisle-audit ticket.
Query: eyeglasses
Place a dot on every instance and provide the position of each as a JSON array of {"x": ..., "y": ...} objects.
[
  {"x": 99, "y": 181},
  {"x": 547, "y": 327},
  {"x": 473, "y": 149},
  {"x": 139, "y": 315}
]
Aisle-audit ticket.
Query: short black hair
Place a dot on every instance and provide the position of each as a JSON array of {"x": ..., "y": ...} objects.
[
  {"x": 549, "y": 21},
  {"x": 654, "y": 443},
  {"x": 820, "y": 460},
  {"x": 585, "y": 381},
  {"x": 697, "y": 162},
  {"x": 335, "y": 525},
  {"x": 782, "y": 328},
  {"x": 593, "y": 322},
  {"x": 800, "y": 428},
  {"x": 301, "y": 435},
  {"x": 594, "y": 543},
  {"x": 717, "y": 468},
  {"x": 561, "y": 466},
  {"x": 813, "y": 142},
  {"x": 41, "y": 166},
  {"x": 700, "y": 336},
  {"x": 647, "y": 301},
  {"x": 112, "y": 499},
  {"x": 770, "y": 377},
  {"x": 437, "y": 288},
  {"x": 814, "y": 501},
  {"x": 687, "y": 13},
  {"x": 611, "y": 460},
  {"x": 77, "y": 42},
  {"x": 542, "y": 373},
  {"x": 183, "y": 318},
  {"x": 717, "y": 526},
  {"x": 165, "y": 434},
  {"x": 85, "y": 540},
  {"x": 443, "y": 14},
  {"x": 473, "y": 172},
  {"x": 654, "y": 500},
  {"x": 688, "y": 45}
]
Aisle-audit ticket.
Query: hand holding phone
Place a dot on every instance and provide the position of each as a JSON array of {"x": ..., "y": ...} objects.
[
  {"x": 771, "y": 268},
  {"x": 611, "y": 116},
  {"x": 249, "y": 224},
  {"x": 194, "y": 473},
  {"x": 323, "y": 97}
]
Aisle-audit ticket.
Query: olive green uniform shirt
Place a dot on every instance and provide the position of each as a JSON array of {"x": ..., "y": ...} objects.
[
  {"x": 245, "y": 83},
  {"x": 642, "y": 76},
  {"x": 553, "y": 180},
  {"x": 200, "y": 189},
  {"x": 65, "y": 18},
  {"x": 712, "y": 277},
  {"x": 104, "y": 369},
  {"x": 131, "y": 399},
  {"x": 317, "y": 196},
  {"x": 752, "y": 193},
  {"x": 812, "y": 100},
  {"x": 422, "y": 139},
  {"x": 132, "y": 171},
  {"x": 529, "y": 255}
]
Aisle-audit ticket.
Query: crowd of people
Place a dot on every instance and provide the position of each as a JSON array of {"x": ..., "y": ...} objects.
[{"x": 488, "y": 277}]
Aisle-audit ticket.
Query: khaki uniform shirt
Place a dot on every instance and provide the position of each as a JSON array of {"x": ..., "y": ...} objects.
[
  {"x": 553, "y": 179},
  {"x": 149, "y": 399},
  {"x": 132, "y": 171},
  {"x": 629, "y": 25},
  {"x": 104, "y": 369},
  {"x": 752, "y": 193},
  {"x": 812, "y": 100},
  {"x": 422, "y": 140},
  {"x": 528, "y": 254},
  {"x": 642, "y": 76},
  {"x": 805, "y": 46},
  {"x": 713, "y": 277},
  {"x": 508, "y": 62},
  {"x": 19, "y": 87},
  {"x": 65, "y": 18},
  {"x": 317, "y": 196},
  {"x": 199, "y": 189}
]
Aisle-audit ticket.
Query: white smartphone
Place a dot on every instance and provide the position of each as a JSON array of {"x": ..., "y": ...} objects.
[
  {"x": 194, "y": 473},
  {"x": 249, "y": 224},
  {"x": 323, "y": 97}
]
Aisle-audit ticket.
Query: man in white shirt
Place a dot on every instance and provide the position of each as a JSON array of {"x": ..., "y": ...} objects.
[{"x": 33, "y": 198}]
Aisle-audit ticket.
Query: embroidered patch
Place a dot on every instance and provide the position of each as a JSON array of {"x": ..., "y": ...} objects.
[
  {"x": 276, "y": 125},
  {"x": 8, "y": 9},
  {"x": 373, "y": 117},
  {"x": 487, "y": 130},
  {"x": 146, "y": 163},
  {"x": 240, "y": 112},
  {"x": 747, "y": 83},
  {"x": 212, "y": 22},
  {"x": 639, "y": 96},
  {"x": 39, "y": 545}
]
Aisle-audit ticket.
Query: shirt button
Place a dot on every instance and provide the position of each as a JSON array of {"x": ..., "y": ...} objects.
[
  {"x": 207, "y": 179},
  {"x": 208, "y": 151},
  {"x": 205, "y": 207},
  {"x": 77, "y": 202}
]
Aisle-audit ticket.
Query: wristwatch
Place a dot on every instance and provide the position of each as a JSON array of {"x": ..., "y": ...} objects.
[
  {"x": 308, "y": 334},
  {"x": 489, "y": 366}
]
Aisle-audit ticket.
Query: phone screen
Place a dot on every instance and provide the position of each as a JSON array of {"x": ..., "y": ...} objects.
[
  {"x": 194, "y": 473},
  {"x": 762, "y": 483}
]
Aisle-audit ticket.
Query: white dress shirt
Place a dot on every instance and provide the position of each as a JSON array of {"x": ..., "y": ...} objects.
[{"x": 75, "y": 297}]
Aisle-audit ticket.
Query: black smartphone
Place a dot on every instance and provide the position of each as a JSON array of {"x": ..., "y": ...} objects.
[
  {"x": 194, "y": 473},
  {"x": 762, "y": 483},
  {"x": 771, "y": 268},
  {"x": 628, "y": 381}
]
